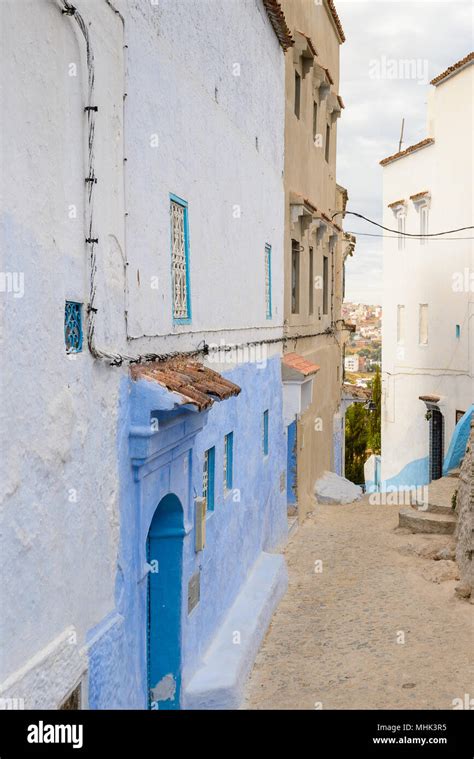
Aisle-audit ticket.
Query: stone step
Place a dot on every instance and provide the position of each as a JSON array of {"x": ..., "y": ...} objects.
[
  {"x": 426, "y": 521},
  {"x": 439, "y": 495},
  {"x": 454, "y": 472}
]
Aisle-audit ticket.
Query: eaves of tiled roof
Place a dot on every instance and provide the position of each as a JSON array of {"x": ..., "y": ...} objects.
[
  {"x": 196, "y": 384},
  {"x": 336, "y": 19},
  {"x": 300, "y": 364},
  {"x": 419, "y": 195},
  {"x": 278, "y": 21},
  {"x": 396, "y": 203},
  {"x": 407, "y": 151},
  {"x": 467, "y": 60}
]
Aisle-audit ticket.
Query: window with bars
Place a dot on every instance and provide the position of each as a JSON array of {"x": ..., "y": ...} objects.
[
  {"x": 228, "y": 461},
  {"x": 295, "y": 276},
  {"x": 327, "y": 144},
  {"x": 265, "y": 433},
  {"x": 180, "y": 260},
  {"x": 73, "y": 327},
  {"x": 325, "y": 284},
  {"x": 297, "y": 94},
  {"x": 208, "y": 478},
  {"x": 311, "y": 282},
  {"x": 268, "y": 281}
]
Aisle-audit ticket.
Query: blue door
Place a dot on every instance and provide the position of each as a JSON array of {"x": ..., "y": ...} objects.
[
  {"x": 164, "y": 554},
  {"x": 291, "y": 470}
]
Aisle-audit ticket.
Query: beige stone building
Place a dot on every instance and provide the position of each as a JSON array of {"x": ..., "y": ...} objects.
[{"x": 315, "y": 250}]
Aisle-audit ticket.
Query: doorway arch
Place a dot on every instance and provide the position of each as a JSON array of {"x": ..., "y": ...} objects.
[{"x": 165, "y": 554}]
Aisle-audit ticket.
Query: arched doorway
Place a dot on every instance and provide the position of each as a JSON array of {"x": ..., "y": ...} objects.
[{"x": 164, "y": 554}]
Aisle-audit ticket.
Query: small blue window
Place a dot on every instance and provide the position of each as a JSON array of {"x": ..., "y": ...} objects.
[
  {"x": 458, "y": 330},
  {"x": 268, "y": 281},
  {"x": 208, "y": 478},
  {"x": 73, "y": 327},
  {"x": 228, "y": 460},
  {"x": 265, "y": 433}
]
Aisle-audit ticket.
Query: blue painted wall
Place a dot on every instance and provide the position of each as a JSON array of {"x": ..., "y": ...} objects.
[
  {"x": 245, "y": 521},
  {"x": 457, "y": 446},
  {"x": 412, "y": 475}
]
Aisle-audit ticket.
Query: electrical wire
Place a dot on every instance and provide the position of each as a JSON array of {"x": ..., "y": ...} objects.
[
  {"x": 396, "y": 232},
  {"x": 396, "y": 237}
]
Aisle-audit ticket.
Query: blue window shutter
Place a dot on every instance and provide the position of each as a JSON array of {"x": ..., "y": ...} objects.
[
  {"x": 229, "y": 460},
  {"x": 209, "y": 478}
]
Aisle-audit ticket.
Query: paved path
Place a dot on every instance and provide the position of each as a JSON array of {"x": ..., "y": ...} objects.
[{"x": 333, "y": 639}]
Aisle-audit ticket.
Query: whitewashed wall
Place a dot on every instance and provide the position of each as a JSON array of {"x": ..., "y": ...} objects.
[
  {"x": 191, "y": 49},
  {"x": 58, "y": 414},
  {"x": 425, "y": 274}
]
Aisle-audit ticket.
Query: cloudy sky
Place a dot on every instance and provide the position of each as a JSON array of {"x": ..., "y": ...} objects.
[{"x": 431, "y": 33}]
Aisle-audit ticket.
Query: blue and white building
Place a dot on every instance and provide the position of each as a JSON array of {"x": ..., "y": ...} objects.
[
  {"x": 428, "y": 306},
  {"x": 142, "y": 316}
]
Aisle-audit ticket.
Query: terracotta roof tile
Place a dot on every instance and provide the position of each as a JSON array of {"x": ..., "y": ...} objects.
[
  {"x": 337, "y": 20},
  {"x": 452, "y": 69},
  {"x": 300, "y": 364},
  {"x": 309, "y": 41},
  {"x": 196, "y": 383},
  {"x": 407, "y": 151},
  {"x": 395, "y": 203},
  {"x": 419, "y": 195},
  {"x": 278, "y": 21}
]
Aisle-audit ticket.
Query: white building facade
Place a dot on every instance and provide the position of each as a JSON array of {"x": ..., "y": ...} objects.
[
  {"x": 142, "y": 216},
  {"x": 428, "y": 307}
]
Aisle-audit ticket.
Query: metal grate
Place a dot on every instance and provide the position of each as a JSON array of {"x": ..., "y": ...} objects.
[
  {"x": 208, "y": 479},
  {"x": 268, "y": 281},
  {"x": 73, "y": 327},
  {"x": 179, "y": 261}
]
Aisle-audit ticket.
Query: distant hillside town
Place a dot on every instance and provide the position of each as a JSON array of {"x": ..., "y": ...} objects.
[{"x": 363, "y": 350}]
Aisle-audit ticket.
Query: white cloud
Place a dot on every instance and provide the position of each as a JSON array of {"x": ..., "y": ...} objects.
[{"x": 434, "y": 34}]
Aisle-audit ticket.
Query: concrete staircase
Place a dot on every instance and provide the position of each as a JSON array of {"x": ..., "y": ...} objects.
[{"x": 436, "y": 516}]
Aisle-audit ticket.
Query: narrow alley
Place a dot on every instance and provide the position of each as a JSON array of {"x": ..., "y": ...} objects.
[{"x": 332, "y": 643}]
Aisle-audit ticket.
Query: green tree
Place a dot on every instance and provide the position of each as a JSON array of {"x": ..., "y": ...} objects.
[
  {"x": 357, "y": 436},
  {"x": 375, "y": 415}
]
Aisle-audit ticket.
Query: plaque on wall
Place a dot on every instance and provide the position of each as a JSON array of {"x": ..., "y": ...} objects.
[{"x": 194, "y": 591}]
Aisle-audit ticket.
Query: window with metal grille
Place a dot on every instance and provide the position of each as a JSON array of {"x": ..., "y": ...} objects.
[
  {"x": 297, "y": 94},
  {"x": 268, "y": 281},
  {"x": 228, "y": 461},
  {"x": 180, "y": 260},
  {"x": 311, "y": 282},
  {"x": 328, "y": 141},
  {"x": 208, "y": 478},
  {"x": 315, "y": 120},
  {"x": 73, "y": 327},
  {"x": 265, "y": 433},
  {"x": 325, "y": 284},
  {"x": 295, "y": 276}
]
